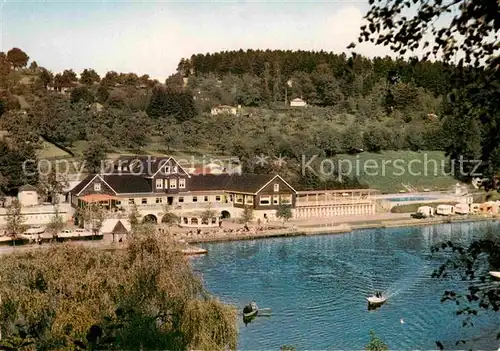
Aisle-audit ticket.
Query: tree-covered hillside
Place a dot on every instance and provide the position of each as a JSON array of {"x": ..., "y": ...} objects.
[{"x": 353, "y": 103}]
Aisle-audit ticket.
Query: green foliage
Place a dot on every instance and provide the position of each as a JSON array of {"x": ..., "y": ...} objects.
[
  {"x": 89, "y": 76},
  {"x": 174, "y": 103},
  {"x": 15, "y": 219},
  {"x": 168, "y": 217},
  {"x": 288, "y": 348},
  {"x": 82, "y": 94},
  {"x": 56, "y": 223},
  {"x": 18, "y": 165},
  {"x": 375, "y": 343},
  {"x": 207, "y": 214},
  {"x": 52, "y": 185},
  {"x": 284, "y": 212},
  {"x": 94, "y": 155},
  {"x": 17, "y": 57},
  {"x": 134, "y": 216},
  {"x": 145, "y": 297},
  {"x": 470, "y": 264},
  {"x": 247, "y": 215}
]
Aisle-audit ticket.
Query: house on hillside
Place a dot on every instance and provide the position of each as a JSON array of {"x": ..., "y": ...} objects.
[
  {"x": 224, "y": 109},
  {"x": 298, "y": 102}
]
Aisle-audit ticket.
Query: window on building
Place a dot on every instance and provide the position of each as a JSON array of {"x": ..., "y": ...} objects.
[
  {"x": 286, "y": 199},
  {"x": 182, "y": 183},
  {"x": 180, "y": 199},
  {"x": 276, "y": 200},
  {"x": 159, "y": 183},
  {"x": 174, "y": 169},
  {"x": 249, "y": 200},
  {"x": 173, "y": 183},
  {"x": 97, "y": 187},
  {"x": 239, "y": 198},
  {"x": 167, "y": 169},
  {"x": 195, "y": 199},
  {"x": 159, "y": 200},
  {"x": 144, "y": 201},
  {"x": 276, "y": 187},
  {"x": 118, "y": 202},
  {"x": 265, "y": 200},
  {"x": 217, "y": 198},
  {"x": 131, "y": 201},
  {"x": 214, "y": 220},
  {"x": 205, "y": 198}
]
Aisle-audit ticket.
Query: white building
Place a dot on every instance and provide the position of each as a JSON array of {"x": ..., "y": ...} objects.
[{"x": 34, "y": 212}]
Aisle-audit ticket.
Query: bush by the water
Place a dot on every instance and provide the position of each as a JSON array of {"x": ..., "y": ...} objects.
[{"x": 143, "y": 298}]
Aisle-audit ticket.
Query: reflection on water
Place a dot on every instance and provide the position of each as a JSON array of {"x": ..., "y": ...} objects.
[{"x": 317, "y": 288}]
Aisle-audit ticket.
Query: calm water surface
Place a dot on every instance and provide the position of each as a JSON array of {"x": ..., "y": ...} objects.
[{"x": 317, "y": 288}]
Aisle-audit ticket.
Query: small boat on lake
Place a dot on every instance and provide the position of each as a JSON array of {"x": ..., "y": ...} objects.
[
  {"x": 495, "y": 275},
  {"x": 250, "y": 310},
  {"x": 376, "y": 300}
]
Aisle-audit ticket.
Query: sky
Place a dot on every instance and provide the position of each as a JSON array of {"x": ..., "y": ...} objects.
[{"x": 150, "y": 37}]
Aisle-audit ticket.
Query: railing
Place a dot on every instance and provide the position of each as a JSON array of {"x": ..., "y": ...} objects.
[{"x": 335, "y": 202}]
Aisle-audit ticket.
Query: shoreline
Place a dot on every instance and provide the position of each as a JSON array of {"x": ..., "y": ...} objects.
[
  {"x": 341, "y": 228},
  {"x": 190, "y": 249}
]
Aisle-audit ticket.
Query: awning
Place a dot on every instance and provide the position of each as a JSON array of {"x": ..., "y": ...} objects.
[{"x": 98, "y": 198}]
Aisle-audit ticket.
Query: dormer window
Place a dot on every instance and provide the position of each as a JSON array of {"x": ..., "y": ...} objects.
[
  {"x": 97, "y": 187},
  {"x": 276, "y": 188},
  {"x": 167, "y": 169}
]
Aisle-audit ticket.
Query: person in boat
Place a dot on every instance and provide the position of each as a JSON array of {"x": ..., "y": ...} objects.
[{"x": 254, "y": 306}]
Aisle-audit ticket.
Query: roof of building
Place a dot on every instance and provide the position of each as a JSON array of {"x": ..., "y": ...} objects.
[
  {"x": 127, "y": 183},
  {"x": 80, "y": 186},
  {"x": 27, "y": 187},
  {"x": 248, "y": 183},
  {"x": 146, "y": 165},
  {"x": 119, "y": 228},
  {"x": 202, "y": 182}
]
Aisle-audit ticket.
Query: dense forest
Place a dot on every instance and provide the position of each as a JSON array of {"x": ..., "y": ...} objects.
[{"x": 352, "y": 103}]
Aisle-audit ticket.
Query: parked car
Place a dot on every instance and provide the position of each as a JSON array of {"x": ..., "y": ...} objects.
[
  {"x": 36, "y": 229},
  {"x": 82, "y": 232},
  {"x": 418, "y": 215}
]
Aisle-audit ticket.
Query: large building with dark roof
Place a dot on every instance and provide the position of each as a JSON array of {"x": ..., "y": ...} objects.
[{"x": 150, "y": 183}]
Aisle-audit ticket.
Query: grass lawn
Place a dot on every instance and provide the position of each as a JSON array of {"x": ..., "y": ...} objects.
[
  {"x": 387, "y": 171},
  {"x": 50, "y": 151}
]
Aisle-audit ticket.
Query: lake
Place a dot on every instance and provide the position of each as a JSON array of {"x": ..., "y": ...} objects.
[{"x": 317, "y": 288}]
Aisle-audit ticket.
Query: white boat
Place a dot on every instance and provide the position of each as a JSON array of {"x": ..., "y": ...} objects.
[
  {"x": 376, "y": 301},
  {"x": 495, "y": 274}
]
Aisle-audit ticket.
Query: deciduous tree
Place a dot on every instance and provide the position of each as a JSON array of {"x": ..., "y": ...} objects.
[
  {"x": 145, "y": 297},
  {"x": 17, "y": 57},
  {"x": 284, "y": 212},
  {"x": 89, "y": 76},
  {"x": 94, "y": 155},
  {"x": 15, "y": 219}
]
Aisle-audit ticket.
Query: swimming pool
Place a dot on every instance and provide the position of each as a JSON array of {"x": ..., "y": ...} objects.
[{"x": 410, "y": 198}]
